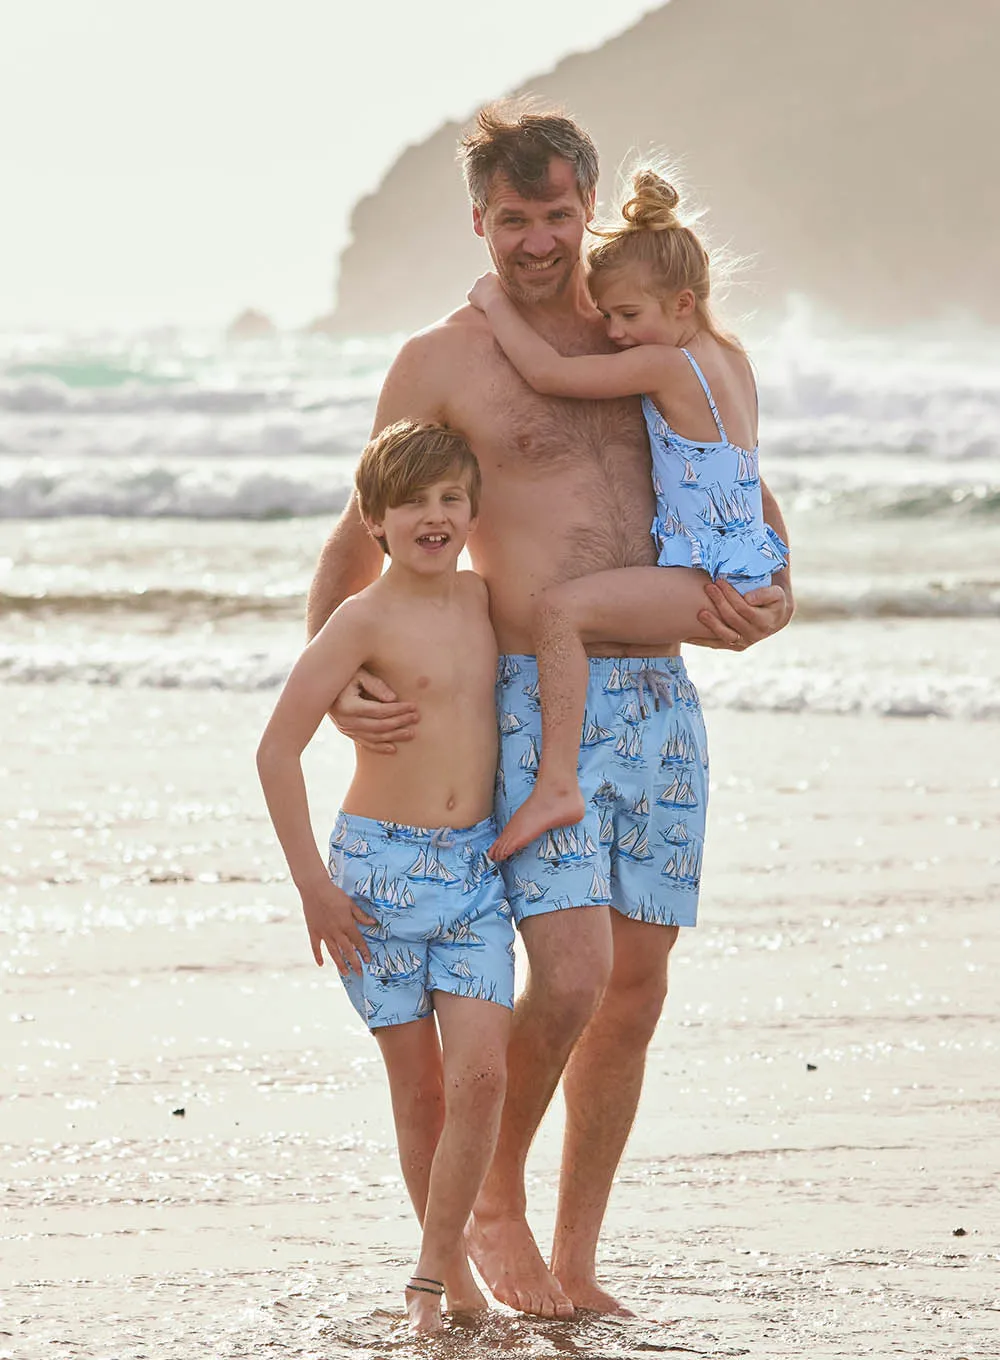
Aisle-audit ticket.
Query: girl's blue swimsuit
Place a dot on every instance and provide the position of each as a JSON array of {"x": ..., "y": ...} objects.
[{"x": 708, "y": 503}]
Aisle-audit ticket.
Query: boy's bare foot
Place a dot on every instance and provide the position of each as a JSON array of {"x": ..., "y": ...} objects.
[
  {"x": 462, "y": 1292},
  {"x": 587, "y": 1293},
  {"x": 543, "y": 810},
  {"x": 423, "y": 1306},
  {"x": 507, "y": 1257}
]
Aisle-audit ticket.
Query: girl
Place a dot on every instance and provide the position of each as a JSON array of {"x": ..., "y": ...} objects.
[{"x": 650, "y": 280}]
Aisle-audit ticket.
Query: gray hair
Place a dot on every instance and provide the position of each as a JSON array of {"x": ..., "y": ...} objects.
[{"x": 514, "y": 141}]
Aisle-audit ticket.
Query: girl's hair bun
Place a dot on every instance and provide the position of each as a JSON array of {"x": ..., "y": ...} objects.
[{"x": 651, "y": 207}]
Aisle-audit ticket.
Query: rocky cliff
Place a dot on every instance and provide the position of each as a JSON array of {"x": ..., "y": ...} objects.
[{"x": 846, "y": 146}]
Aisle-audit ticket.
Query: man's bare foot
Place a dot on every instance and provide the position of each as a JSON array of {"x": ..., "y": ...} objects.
[
  {"x": 423, "y": 1306},
  {"x": 543, "y": 810},
  {"x": 507, "y": 1257},
  {"x": 586, "y": 1293}
]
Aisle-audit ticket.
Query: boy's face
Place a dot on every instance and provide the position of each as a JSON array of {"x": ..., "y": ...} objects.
[{"x": 428, "y": 531}]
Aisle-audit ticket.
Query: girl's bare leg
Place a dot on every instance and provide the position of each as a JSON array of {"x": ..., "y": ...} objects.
[
  {"x": 474, "y": 1037},
  {"x": 654, "y": 607},
  {"x": 412, "y": 1055}
]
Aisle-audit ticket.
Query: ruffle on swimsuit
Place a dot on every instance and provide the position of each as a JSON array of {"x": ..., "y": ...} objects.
[{"x": 708, "y": 503}]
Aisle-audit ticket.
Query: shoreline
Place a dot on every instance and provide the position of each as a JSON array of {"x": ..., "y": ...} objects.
[{"x": 762, "y": 1208}]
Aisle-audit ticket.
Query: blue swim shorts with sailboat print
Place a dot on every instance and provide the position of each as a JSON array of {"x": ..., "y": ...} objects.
[
  {"x": 441, "y": 918},
  {"x": 644, "y": 775}
]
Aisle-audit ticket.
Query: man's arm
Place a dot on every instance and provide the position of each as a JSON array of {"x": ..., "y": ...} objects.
[
  {"x": 736, "y": 621},
  {"x": 351, "y": 559},
  {"x": 366, "y": 710}
]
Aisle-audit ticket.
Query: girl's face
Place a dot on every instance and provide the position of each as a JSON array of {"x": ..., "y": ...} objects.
[{"x": 634, "y": 316}]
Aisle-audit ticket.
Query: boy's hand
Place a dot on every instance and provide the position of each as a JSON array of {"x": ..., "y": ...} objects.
[
  {"x": 332, "y": 919},
  {"x": 737, "y": 621},
  {"x": 368, "y": 712},
  {"x": 485, "y": 290}
]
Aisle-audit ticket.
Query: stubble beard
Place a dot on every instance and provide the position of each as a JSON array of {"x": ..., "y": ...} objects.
[{"x": 529, "y": 294}]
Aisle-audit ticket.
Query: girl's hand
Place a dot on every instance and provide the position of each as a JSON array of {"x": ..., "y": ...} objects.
[
  {"x": 486, "y": 289},
  {"x": 332, "y": 919},
  {"x": 737, "y": 621}
]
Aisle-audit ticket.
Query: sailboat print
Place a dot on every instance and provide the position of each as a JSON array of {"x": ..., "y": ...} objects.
[
  {"x": 746, "y": 469},
  {"x": 510, "y": 722},
  {"x": 563, "y": 844},
  {"x": 358, "y": 848},
  {"x": 606, "y": 794},
  {"x": 640, "y": 808},
  {"x": 481, "y": 867},
  {"x": 339, "y": 835},
  {"x": 678, "y": 749},
  {"x": 529, "y": 889},
  {"x": 427, "y": 868},
  {"x": 629, "y": 745},
  {"x": 459, "y": 934},
  {"x": 383, "y": 891},
  {"x": 683, "y": 869},
  {"x": 676, "y": 834},
  {"x": 529, "y": 759},
  {"x": 398, "y": 967},
  {"x": 459, "y": 968},
  {"x": 507, "y": 669},
  {"x": 600, "y": 888},
  {"x": 679, "y": 794},
  {"x": 593, "y": 733},
  {"x": 633, "y": 712},
  {"x": 616, "y": 681},
  {"x": 690, "y": 477},
  {"x": 607, "y": 835},
  {"x": 635, "y": 844},
  {"x": 531, "y": 692}
]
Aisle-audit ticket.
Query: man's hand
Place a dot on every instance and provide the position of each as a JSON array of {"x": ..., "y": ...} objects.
[
  {"x": 737, "y": 621},
  {"x": 485, "y": 290},
  {"x": 332, "y": 919},
  {"x": 368, "y": 712}
]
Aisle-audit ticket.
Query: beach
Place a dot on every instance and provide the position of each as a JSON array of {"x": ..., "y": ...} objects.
[
  {"x": 196, "y": 1143},
  {"x": 197, "y": 1147}
]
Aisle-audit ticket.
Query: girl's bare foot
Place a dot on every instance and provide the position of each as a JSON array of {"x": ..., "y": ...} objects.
[
  {"x": 423, "y": 1306},
  {"x": 545, "y": 809}
]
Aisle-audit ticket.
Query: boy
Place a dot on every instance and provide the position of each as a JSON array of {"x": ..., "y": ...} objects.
[{"x": 412, "y": 911}]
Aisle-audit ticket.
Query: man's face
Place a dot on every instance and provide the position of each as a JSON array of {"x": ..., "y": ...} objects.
[{"x": 535, "y": 242}]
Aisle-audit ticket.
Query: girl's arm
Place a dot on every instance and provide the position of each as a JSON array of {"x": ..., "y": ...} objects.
[
  {"x": 340, "y": 648},
  {"x": 555, "y": 375}
]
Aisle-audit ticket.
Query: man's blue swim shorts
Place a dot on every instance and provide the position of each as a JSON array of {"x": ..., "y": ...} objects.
[
  {"x": 441, "y": 918},
  {"x": 644, "y": 774}
]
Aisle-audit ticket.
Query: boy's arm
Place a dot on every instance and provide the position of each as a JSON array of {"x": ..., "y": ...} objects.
[
  {"x": 323, "y": 669},
  {"x": 625, "y": 374},
  {"x": 737, "y": 621}
]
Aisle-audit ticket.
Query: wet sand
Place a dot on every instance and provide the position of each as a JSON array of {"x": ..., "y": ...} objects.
[{"x": 196, "y": 1146}]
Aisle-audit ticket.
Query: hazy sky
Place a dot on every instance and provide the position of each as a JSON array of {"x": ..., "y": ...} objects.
[{"x": 176, "y": 160}]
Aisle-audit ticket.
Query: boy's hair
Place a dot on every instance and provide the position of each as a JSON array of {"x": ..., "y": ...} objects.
[
  {"x": 517, "y": 142},
  {"x": 407, "y": 457},
  {"x": 653, "y": 238}
]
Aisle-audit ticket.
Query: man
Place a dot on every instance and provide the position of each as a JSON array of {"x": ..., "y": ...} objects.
[{"x": 566, "y": 491}]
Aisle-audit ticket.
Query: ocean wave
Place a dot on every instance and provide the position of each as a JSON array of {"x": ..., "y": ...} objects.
[
  {"x": 827, "y": 600},
  {"x": 189, "y": 489},
  {"x": 786, "y": 688}
]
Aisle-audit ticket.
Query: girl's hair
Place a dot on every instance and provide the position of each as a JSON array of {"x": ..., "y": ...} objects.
[{"x": 656, "y": 240}]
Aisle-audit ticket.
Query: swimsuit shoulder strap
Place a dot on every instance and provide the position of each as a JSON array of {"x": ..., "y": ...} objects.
[{"x": 708, "y": 394}]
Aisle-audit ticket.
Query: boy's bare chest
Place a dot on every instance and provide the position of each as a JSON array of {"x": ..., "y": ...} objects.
[{"x": 445, "y": 658}]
